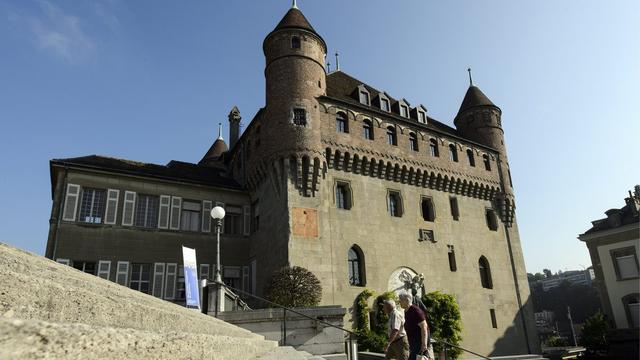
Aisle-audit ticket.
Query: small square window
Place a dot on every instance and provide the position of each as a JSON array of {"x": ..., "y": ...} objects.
[
  {"x": 300, "y": 117},
  {"x": 295, "y": 42},
  {"x": 625, "y": 263}
]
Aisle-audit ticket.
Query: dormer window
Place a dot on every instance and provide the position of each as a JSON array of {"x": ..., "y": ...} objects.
[
  {"x": 385, "y": 104},
  {"x": 422, "y": 117},
  {"x": 295, "y": 42},
  {"x": 404, "y": 111},
  {"x": 363, "y": 95}
]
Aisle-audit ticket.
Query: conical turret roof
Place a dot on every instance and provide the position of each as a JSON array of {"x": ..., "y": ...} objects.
[
  {"x": 295, "y": 19},
  {"x": 474, "y": 97}
]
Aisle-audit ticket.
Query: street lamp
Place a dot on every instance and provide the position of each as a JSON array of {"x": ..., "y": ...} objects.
[{"x": 217, "y": 213}]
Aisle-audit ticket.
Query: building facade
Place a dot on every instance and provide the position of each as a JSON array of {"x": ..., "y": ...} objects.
[
  {"x": 613, "y": 244},
  {"x": 363, "y": 189}
]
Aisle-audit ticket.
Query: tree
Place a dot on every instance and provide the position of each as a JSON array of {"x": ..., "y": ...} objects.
[
  {"x": 547, "y": 273},
  {"x": 294, "y": 287},
  {"x": 443, "y": 316},
  {"x": 594, "y": 333}
]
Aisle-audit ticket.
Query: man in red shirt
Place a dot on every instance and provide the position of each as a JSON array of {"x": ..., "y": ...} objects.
[{"x": 415, "y": 325}]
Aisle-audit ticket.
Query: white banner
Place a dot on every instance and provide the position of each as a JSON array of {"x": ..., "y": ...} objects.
[{"x": 191, "y": 277}]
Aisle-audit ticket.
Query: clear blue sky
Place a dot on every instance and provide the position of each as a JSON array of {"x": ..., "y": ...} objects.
[{"x": 150, "y": 80}]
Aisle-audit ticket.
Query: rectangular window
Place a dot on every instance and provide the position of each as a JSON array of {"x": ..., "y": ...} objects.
[
  {"x": 122, "y": 274},
  {"x": 404, "y": 111},
  {"x": 84, "y": 266},
  {"x": 71, "y": 202},
  {"x": 140, "y": 275},
  {"x": 246, "y": 221},
  {"x": 452, "y": 258},
  {"x": 421, "y": 117},
  {"x": 206, "y": 215},
  {"x": 492, "y": 220},
  {"x": 180, "y": 293},
  {"x": 146, "y": 214},
  {"x": 625, "y": 262},
  {"x": 111, "y": 212},
  {"x": 128, "y": 209},
  {"x": 494, "y": 322},
  {"x": 158, "y": 280},
  {"x": 394, "y": 204},
  {"x": 384, "y": 104},
  {"x": 163, "y": 213},
  {"x": 455, "y": 212},
  {"x": 231, "y": 275},
  {"x": 343, "y": 198},
  {"x": 428, "y": 209},
  {"x": 63, "y": 261},
  {"x": 634, "y": 314},
  {"x": 92, "y": 206},
  {"x": 364, "y": 97},
  {"x": 487, "y": 162},
  {"x": 233, "y": 221},
  {"x": 204, "y": 271},
  {"x": 255, "y": 225},
  {"x": 104, "y": 269},
  {"x": 170, "y": 281},
  {"x": 190, "y": 217},
  {"x": 300, "y": 117}
]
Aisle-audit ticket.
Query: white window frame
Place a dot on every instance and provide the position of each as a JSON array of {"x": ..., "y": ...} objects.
[
  {"x": 123, "y": 272},
  {"x": 164, "y": 205},
  {"x": 112, "y": 203},
  {"x": 206, "y": 215},
  {"x": 129, "y": 200},
  {"x": 106, "y": 274},
  {"x": 63, "y": 261},
  {"x": 70, "y": 196},
  {"x": 176, "y": 203},
  {"x": 170, "y": 279},
  {"x": 155, "y": 279}
]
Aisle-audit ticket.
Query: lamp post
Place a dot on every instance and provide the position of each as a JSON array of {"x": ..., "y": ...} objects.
[{"x": 217, "y": 214}]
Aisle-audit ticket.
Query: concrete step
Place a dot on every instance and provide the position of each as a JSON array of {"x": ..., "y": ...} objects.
[{"x": 289, "y": 353}]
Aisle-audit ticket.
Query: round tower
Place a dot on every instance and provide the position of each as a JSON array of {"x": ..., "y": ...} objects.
[
  {"x": 295, "y": 77},
  {"x": 479, "y": 120}
]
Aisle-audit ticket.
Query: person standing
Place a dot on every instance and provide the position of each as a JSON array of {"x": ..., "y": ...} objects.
[
  {"x": 415, "y": 325},
  {"x": 398, "y": 347}
]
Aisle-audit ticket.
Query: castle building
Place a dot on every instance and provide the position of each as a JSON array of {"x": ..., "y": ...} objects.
[{"x": 332, "y": 174}]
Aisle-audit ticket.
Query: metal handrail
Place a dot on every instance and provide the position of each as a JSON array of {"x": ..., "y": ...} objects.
[
  {"x": 288, "y": 309},
  {"x": 458, "y": 347}
]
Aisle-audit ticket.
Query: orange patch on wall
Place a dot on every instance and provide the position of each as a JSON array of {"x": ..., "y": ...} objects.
[{"x": 305, "y": 222}]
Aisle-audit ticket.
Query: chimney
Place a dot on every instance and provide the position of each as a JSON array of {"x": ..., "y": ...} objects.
[{"x": 234, "y": 126}]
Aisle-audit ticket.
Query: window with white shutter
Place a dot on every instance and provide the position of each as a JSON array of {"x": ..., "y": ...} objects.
[
  {"x": 176, "y": 204},
  {"x": 221, "y": 204},
  {"x": 158, "y": 280},
  {"x": 128, "y": 209},
  {"x": 204, "y": 271},
  {"x": 247, "y": 220},
  {"x": 170, "y": 281},
  {"x": 111, "y": 214},
  {"x": 71, "y": 202},
  {"x": 63, "y": 261},
  {"x": 163, "y": 214},
  {"x": 122, "y": 273},
  {"x": 206, "y": 215},
  {"x": 104, "y": 269}
]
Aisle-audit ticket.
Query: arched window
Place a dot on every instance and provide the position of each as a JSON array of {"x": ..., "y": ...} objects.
[
  {"x": 295, "y": 42},
  {"x": 356, "y": 266},
  {"x": 472, "y": 159},
  {"x": 453, "y": 153},
  {"x": 342, "y": 125},
  {"x": 392, "y": 139},
  {"x": 433, "y": 148},
  {"x": 631, "y": 305},
  {"x": 487, "y": 162},
  {"x": 413, "y": 142},
  {"x": 485, "y": 273},
  {"x": 367, "y": 129}
]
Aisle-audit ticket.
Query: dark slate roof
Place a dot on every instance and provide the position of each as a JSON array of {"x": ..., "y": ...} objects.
[
  {"x": 295, "y": 19},
  {"x": 218, "y": 148},
  {"x": 474, "y": 97},
  {"x": 341, "y": 86},
  {"x": 174, "y": 170},
  {"x": 626, "y": 215}
]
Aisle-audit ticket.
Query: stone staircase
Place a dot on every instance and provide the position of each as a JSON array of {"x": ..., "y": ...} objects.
[{"x": 54, "y": 311}]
